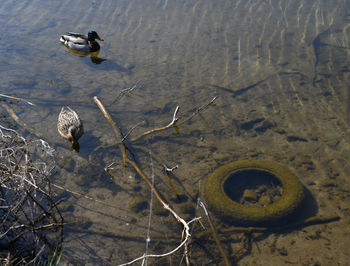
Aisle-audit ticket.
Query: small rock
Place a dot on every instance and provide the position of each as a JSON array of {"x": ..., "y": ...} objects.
[
  {"x": 261, "y": 189},
  {"x": 265, "y": 126},
  {"x": 328, "y": 183},
  {"x": 264, "y": 200},
  {"x": 283, "y": 251},
  {"x": 291, "y": 138},
  {"x": 250, "y": 124},
  {"x": 249, "y": 195}
]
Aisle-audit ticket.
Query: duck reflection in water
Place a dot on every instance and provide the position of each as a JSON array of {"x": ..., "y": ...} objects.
[{"x": 93, "y": 55}]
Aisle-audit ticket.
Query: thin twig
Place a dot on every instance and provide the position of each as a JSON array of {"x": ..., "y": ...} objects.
[
  {"x": 212, "y": 228},
  {"x": 173, "y": 121},
  {"x": 170, "y": 170},
  {"x": 148, "y": 238},
  {"x": 108, "y": 168},
  {"x": 84, "y": 196},
  {"x": 127, "y": 91},
  {"x": 201, "y": 108},
  {"x": 129, "y": 132},
  {"x": 176, "y": 119},
  {"x": 16, "y": 98}
]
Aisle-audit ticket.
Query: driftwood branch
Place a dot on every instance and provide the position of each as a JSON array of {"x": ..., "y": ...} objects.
[
  {"x": 186, "y": 229},
  {"x": 114, "y": 127}
]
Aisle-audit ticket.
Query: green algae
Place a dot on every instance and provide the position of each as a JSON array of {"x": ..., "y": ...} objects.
[{"x": 232, "y": 211}]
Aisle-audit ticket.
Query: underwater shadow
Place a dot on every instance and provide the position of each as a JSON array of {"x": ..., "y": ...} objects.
[
  {"x": 97, "y": 61},
  {"x": 108, "y": 65},
  {"x": 308, "y": 208}
]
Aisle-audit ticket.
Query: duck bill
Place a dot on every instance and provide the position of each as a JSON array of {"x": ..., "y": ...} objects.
[{"x": 75, "y": 146}]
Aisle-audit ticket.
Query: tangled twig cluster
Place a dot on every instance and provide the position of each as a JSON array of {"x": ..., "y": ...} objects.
[{"x": 30, "y": 222}]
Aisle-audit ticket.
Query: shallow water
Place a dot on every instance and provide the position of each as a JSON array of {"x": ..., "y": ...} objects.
[{"x": 280, "y": 70}]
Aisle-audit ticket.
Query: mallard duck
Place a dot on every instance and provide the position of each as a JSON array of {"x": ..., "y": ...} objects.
[
  {"x": 81, "y": 42},
  {"x": 70, "y": 126}
]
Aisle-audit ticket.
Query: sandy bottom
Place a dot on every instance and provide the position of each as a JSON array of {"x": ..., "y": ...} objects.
[{"x": 280, "y": 70}]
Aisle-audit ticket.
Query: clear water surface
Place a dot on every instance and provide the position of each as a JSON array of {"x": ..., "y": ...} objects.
[{"x": 280, "y": 70}]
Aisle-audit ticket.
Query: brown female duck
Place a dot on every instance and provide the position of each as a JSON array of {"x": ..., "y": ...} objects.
[{"x": 70, "y": 126}]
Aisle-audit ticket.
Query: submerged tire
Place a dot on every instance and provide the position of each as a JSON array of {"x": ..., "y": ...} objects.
[{"x": 234, "y": 212}]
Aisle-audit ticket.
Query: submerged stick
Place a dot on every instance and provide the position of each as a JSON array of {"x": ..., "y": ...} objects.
[
  {"x": 148, "y": 237},
  {"x": 201, "y": 108},
  {"x": 114, "y": 127},
  {"x": 127, "y": 91},
  {"x": 212, "y": 228},
  {"x": 167, "y": 170},
  {"x": 82, "y": 195},
  {"x": 176, "y": 119},
  {"x": 129, "y": 132},
  {"x": 16, "y": 98},
  {"x": 317, "y": 219},
  {"x": 159, "y": 128},
  {"x": 19, "y": 122},
  {"x": 186, "y": 230}
]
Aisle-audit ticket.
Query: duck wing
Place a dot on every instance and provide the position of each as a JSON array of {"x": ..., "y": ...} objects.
[
  {"x": 77, "y": 35},
  {"x": 74, "y": 38}
]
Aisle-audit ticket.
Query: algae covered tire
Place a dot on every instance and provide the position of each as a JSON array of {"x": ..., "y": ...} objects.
[{"x": 278, "y": 211}]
